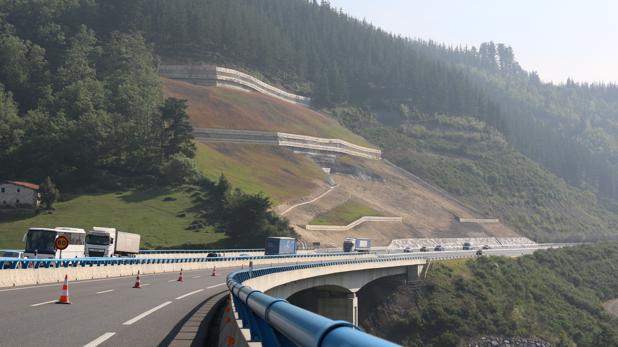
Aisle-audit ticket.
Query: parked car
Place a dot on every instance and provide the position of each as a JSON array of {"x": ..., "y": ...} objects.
[
  {"x": 423, "y": 249},
  {"x": 439, "y": 248}
]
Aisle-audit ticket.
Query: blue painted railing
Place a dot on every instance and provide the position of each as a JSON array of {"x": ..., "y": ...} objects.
[
  {"x": 277, "y": 323},
  {"x": 16, "y": 263},
  {"x": 199, "y": 251}
]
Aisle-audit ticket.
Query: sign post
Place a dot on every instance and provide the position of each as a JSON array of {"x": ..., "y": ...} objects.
[{"x": 61, "y": 243}]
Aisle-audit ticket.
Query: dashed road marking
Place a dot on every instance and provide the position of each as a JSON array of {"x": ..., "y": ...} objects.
[
  {"x": 44, "y": 303},
  {"x": 196, "y": 276},
  {"x": 105, "y": 291},
  {"x": 154, "y": 309},
  {"x": 99, "y": 340},
  {"x": 191, "y": 293},
  {"x": 216, "y": 285}
]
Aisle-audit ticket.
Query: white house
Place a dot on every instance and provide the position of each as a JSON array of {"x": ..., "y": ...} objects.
[{"x": 19, "y": 194}]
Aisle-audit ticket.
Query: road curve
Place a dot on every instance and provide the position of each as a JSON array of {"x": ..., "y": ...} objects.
[{"x": 105, "y": 312}]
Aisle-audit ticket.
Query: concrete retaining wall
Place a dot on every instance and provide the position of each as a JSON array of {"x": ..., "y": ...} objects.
[
  {"x": 354, "y": 224},
  {"x": 457, "y": 243},
  {"x": 286, "y": 140},
  {"x": 22, "y": 277},
  {"x": 219, "y": 76}
]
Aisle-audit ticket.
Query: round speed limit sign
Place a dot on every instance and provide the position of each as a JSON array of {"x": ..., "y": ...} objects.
[{"x": 62, "y": 242}]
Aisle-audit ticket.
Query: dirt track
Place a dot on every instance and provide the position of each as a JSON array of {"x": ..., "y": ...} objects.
[{"x": 425, "y": 213}]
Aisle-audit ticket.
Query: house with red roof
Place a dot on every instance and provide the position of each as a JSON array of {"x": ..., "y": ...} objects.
[{"x": 17, "y": 194}]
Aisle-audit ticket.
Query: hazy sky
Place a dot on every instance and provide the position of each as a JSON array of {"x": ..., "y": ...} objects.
[{"x": 557, "y": 38}]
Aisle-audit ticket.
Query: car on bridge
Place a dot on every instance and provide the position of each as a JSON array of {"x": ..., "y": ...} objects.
[
  {"x": 439, "y": 248},
  {"x": 423, "y": 249}
]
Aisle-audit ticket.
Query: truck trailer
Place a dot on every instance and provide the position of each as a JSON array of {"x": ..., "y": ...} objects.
[
  {"x": 280, "y": 245},
  {"x": 351, "y": 244},
  {"x": 109, "y": 242}
]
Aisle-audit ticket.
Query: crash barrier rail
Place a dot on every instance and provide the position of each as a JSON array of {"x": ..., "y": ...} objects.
[
  {"x": 215, "y": 75},
  {"x": 276, "y": 322},
  {"x": 303, "y": 142},
  {"x": 15, "y": 263},
  {"x": 199, "y": 251}
]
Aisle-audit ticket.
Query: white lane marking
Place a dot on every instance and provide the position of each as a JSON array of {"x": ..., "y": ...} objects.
[
  {"x": 44, "y": 303},
  {"x": 196, "y": 276},
  {"x": 72, "y": 283},
  {"x": 193, "y": 292},
  {"x": 99, "y": 340},
  {"x": 105, "y": 291},
  {"x": 172, "y": 280},
  {"x": 145, "y": 284},
  {"x": 216, "y": 285},
  {"x": 133, "y": 320}
]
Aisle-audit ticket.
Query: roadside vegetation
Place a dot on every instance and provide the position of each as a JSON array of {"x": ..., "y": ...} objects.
[
  {"x": 556, "y": 295},
  {"x": 346, "y": 213}
]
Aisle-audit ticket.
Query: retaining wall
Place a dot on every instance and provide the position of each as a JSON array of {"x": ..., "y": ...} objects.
[
  {"x": 219, "y": 76},
  {"x": 286, "y": 140},
  {"x": 353, "y": 224}
]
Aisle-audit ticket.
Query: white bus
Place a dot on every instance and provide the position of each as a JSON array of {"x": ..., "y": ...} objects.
[{"x": 40, "y": 243}]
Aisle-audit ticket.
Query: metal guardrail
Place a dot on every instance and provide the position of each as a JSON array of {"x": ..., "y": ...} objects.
[
  {"x": 15, "y": 263},
  {"x": 198, "y": 251},
  {"x": 276, "y": 322}
]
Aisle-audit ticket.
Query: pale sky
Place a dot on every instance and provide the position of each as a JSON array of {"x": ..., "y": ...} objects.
[{"x": 557, "y": 38}]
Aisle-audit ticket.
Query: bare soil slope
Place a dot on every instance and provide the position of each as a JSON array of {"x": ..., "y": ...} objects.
[
  {"x": 227, "y": 108},
  {"x": 425, "y": 213}
]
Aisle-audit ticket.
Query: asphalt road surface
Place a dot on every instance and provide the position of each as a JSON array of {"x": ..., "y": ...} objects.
[{"x": 105, "y": 312}]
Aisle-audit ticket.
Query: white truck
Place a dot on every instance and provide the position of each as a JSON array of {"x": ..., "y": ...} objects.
[{"x": 109, "y": 242}]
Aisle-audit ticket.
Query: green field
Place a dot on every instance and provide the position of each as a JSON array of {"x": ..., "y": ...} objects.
[
  {"x": 345, "y": 213},
  {"x": 143, "y": 212}
]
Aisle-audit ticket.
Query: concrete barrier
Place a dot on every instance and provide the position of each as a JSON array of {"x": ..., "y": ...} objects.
[
  {"x": 286, "y": 140},
  {"x": 220, "y": 76},
  {"x": 353, "y": 224},
  {"x": 33, "y": 276}
]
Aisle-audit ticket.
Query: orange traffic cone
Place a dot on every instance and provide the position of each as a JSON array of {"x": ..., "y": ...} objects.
[
  {"x": 180, "y": 277},
  {"x": 64, "y": 298},
  {"x": 214, "y": 271},
  {"x": 138, "y": 282}
]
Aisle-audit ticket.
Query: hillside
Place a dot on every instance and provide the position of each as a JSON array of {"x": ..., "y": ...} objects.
[
  {"x": 213, "y": 107},
  {"x": 555, "y": 295}
]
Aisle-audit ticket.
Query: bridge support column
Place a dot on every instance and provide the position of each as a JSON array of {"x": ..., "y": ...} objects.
[
  {"x": 414, "y": 272},
  {"x": 340, "y": 307}
]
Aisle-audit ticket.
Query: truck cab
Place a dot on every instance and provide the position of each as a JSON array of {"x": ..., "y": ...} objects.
[{"x": 100, "y": 242}]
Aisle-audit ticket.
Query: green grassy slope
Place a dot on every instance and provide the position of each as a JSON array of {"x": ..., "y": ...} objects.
[
  {"x": 556, "y": 295},
  {"x": 345, "y": 213},
  {"x": 475, "y": 163},
  {"x": 278, "y": 173},
  {"x": 143, "y": 212}
]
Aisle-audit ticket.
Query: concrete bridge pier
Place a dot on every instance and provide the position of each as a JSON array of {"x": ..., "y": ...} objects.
[{"x": 340, "y": 307}]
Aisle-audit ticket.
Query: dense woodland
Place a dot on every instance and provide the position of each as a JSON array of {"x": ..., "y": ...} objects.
[{"x": 556, "y": 295}]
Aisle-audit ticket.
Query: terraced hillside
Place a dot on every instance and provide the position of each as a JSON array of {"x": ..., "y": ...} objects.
[
  {"x": 227, "y": 108},
  {"x": 297, "y": 183}
]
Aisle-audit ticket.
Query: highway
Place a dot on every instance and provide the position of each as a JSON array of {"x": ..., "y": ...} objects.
[
  {"x": 109, "y": 312},
  {"x": 105, "y": 312}
]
